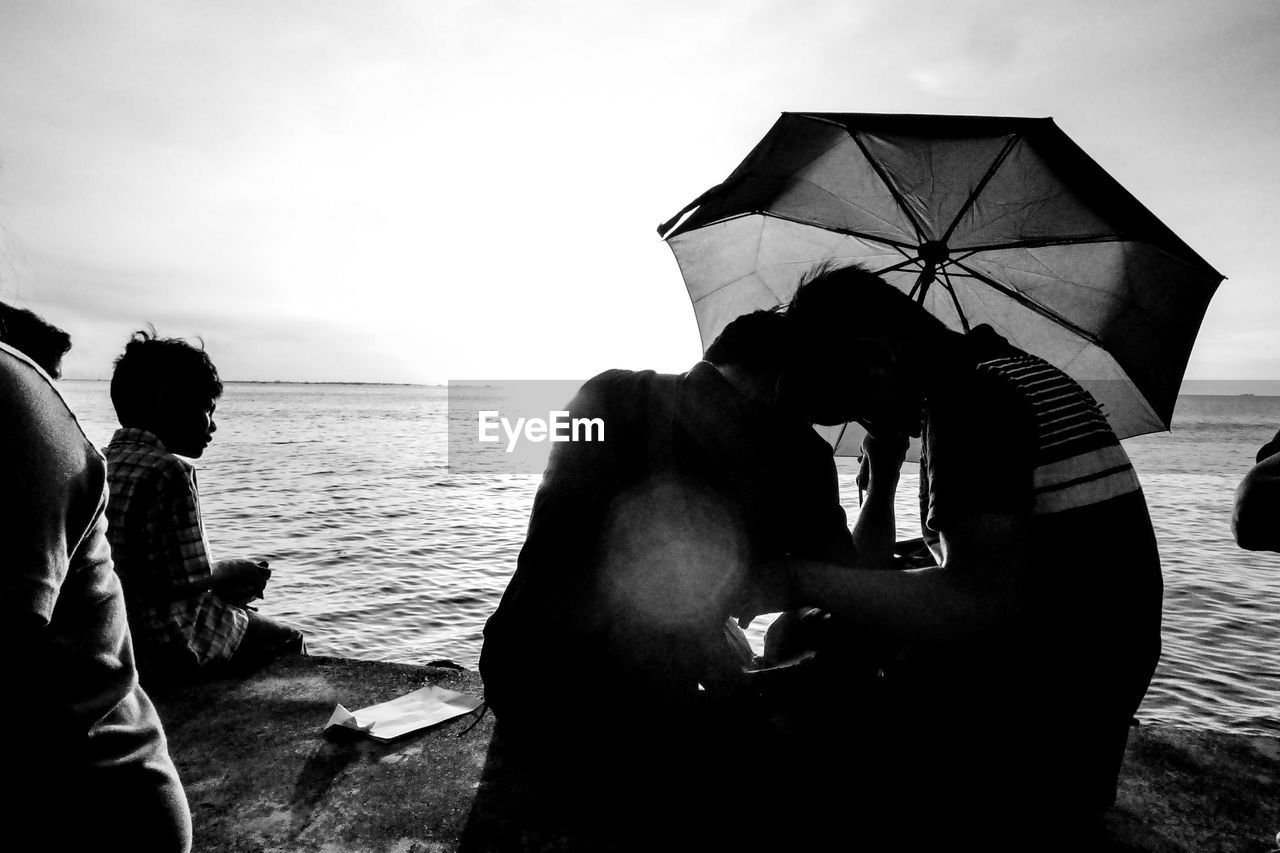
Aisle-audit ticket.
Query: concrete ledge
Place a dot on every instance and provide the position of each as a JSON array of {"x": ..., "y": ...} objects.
[{"x": 261, "y": 776}]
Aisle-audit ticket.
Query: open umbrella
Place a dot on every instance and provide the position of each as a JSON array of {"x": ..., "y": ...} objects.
[{"x": 992, "y": 220}]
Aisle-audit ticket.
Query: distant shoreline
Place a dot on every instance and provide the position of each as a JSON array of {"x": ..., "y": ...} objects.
[
  {"x": 1262, "y": 388},
  {"x": 290, "y": 382}
]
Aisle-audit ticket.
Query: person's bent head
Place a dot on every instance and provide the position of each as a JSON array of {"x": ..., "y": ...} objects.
[
  {"x": 38, "y": 339},
  {"x": 751, "y": 353},
  {"x": 860, "y": 350},
  {"x": 756, "y": 342},
  {"x": 168, "y": 387}
]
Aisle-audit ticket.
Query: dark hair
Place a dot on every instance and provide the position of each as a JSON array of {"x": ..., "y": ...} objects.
[
  {"x": 152, "y": 365},
  {"x": 755, "y": 341},
  {"x": 844, "y": 303},
  {"x": 37, "y": 338}
]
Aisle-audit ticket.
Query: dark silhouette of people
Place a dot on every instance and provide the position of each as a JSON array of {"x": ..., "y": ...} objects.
[
  {"x": 86, "y": 754},
  {"x": 1009, "y": 673},
  {"x": 1255, "y": 522},
  {"x": 637, "y": 549}
]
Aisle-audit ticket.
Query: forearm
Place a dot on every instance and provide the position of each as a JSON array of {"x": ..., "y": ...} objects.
[
  {"x": 875, "y": 531},
  {"x": 930, "y": 605}
]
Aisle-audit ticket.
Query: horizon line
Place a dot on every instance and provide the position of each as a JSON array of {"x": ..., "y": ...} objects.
[{"x": 1189, "y": 387}]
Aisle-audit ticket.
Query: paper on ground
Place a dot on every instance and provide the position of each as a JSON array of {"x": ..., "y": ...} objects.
[{"x": 408, "y": 713}]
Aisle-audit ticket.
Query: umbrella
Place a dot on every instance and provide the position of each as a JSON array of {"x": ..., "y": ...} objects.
[{"x": 994, "y": 220}]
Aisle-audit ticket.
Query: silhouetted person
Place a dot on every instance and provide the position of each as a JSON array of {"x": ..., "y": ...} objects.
[
  {"x": 1256, "y": 519},
  {"x": 190, "y": 614},
  {"x": 85, "y": 756},
  {"x": 637, "y": 548},
  {"x": 1015, "y": 665}
]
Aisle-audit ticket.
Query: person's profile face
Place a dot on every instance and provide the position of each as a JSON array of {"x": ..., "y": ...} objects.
[{"x": 187, "y": 426}]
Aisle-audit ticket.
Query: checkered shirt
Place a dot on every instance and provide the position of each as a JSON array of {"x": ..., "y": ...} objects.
[{"x": 162, "y": 556}]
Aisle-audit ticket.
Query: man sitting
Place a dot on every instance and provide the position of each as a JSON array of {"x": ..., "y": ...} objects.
[
  {"x": 189, "y": 614},
  {"x": 636, "y": 549},
  {"x": 86, "y": 754}
]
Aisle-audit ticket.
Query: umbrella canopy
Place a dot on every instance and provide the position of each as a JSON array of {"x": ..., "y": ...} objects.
[{"x": 992, "y": 220}]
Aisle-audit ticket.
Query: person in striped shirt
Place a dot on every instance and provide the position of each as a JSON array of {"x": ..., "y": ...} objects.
[{"x": 1012, "y": 669}]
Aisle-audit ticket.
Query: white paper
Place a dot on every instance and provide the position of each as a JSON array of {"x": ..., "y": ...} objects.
[{"x": 408, "y": 713}]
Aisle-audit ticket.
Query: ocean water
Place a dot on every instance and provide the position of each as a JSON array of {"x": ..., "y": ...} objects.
[{"x": 379, "y": 552}]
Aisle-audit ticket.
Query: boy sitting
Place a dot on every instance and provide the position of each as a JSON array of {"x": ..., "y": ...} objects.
[{"x": 189, "y": 614}]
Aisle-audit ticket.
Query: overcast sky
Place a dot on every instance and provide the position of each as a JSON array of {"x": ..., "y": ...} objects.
[{"x": 454, "y": 189}]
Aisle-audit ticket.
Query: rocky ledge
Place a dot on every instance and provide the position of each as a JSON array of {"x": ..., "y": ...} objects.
[{"x": 261, "y": 775}]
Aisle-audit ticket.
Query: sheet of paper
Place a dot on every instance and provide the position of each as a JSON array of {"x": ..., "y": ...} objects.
[{"x": 408, "y": 713}]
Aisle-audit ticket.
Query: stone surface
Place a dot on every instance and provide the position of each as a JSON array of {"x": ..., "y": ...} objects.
[{"x": 261, "y": 776}]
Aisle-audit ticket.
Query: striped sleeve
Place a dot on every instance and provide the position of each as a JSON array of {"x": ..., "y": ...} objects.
[{"x": 1078, "y": 459}]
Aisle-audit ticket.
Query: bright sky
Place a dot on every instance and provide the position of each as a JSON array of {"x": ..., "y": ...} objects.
[{"x": 464, "y": 189}]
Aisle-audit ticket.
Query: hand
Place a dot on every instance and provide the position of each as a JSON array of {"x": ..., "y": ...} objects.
[
  {"x": 240, "y": 581},
  {"x": 768, "y": 590}
]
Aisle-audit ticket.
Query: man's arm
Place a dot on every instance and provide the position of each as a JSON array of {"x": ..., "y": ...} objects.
[
  {"x": 44, "y": 509},
  {"x": 175, "y": 530},
  {"x": 979, "y": 587},
  {"x": 236, "y": 581},
  {"x": 875, "y": 531},
  {"x": 1255, "y": 521}
]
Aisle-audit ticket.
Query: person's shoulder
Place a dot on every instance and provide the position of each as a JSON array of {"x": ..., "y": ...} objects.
[
  {"x": 38, "y": 415},
  {"x": 137, "y": 455},
  {"x": 616, "y": 387},
  {"x": 975, "y": 389},
  {"x": 619, "y": 378}
]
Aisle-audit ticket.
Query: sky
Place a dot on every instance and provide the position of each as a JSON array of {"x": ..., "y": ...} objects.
[{"x": 462, "y": 189}]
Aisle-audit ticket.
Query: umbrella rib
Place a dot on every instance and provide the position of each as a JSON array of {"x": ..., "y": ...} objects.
[
  {"x": 977, "y": 190},
  {"x": 893, "y": 191},
  {"x": 1047, "y": 241},
  {"x": 1032, "y": 305},
  {"x": 955, "y": 299},
  {"x": 908, "y": 262},
  {"x": 844, "y": 200},
  {"x": 839, "y": 438},
  {"x": 892, "y": 244},
  {"x": 845, "y": 231}
]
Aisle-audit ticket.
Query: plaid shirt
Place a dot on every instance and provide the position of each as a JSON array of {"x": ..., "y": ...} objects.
[{"x": 162, "y": 556}]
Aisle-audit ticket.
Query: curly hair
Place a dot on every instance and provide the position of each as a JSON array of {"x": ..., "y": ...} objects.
[{"x": 150, "y": 366}]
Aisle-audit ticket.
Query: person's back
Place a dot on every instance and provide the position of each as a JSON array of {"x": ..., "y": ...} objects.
[
  {"x": 617, "y": 610},
  {"x": 155, "y": 525},
  {"x": 612, "y": 557},
  {"x": 638, "y": 543},
  {"x": 99, "y": 767},
  {"x": 1015, "y": 434},
  {"x": 1255, "y": 516}
]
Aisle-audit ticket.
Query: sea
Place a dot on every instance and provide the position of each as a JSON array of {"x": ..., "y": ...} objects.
[{"x": 379, "y": 551}]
